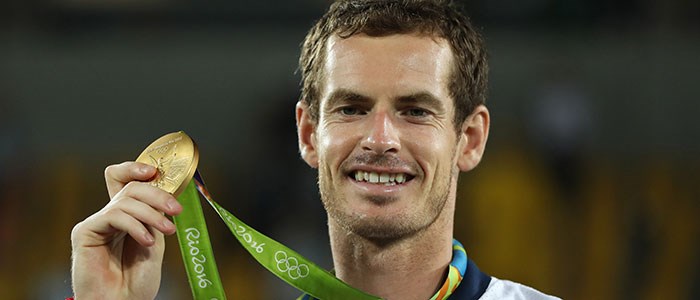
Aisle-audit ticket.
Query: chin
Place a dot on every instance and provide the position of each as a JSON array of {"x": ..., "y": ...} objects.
[
  {"x": 382, "y": 228},
  {"x": 381, "y": 223}
]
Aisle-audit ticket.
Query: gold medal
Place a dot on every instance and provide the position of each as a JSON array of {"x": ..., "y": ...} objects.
[{"x": 175, "y": 156}]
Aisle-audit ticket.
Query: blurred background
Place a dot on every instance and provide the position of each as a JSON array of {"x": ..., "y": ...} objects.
[{"x": 588, "y": 190}]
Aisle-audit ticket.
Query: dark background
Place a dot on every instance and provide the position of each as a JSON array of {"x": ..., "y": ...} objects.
[{"x": 588, "y": 190}]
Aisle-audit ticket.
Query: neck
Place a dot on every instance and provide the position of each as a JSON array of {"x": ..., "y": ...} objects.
[{"x": 412, "y": 267}]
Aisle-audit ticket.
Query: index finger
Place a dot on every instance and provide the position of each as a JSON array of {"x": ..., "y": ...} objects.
[{"x": 117, "y": 176}]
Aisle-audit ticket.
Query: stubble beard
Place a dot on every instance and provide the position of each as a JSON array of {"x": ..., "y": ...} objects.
[{"x": 382, "y": 229}]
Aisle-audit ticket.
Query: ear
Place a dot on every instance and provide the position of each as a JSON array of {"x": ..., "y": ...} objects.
[
  {"x": 474, "y": 133},
  {"x": 306, "y": 133}
]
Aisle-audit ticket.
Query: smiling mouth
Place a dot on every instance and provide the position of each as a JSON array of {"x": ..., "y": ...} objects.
[{"x": 387, "y": 179}]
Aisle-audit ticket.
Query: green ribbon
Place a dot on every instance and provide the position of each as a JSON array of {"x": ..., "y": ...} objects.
[
  {"x": 195, "y": 246},
  {"x": 285, "y": 263}
]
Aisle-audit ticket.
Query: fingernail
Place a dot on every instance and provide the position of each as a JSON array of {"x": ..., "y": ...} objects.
[
  {"x": 145, "y": 169},
  {"x": 167, "y": 224},
  {"x": 149, "y": 237},
  {"x": 172, "y": 204}
]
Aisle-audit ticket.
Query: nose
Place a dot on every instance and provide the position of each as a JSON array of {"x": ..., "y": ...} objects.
[{"x": 382, "y": 136}]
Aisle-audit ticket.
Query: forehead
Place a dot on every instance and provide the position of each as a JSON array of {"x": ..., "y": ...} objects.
[{"x": 391, "y": 66}]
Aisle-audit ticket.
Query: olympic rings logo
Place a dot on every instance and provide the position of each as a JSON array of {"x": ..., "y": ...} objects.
[{"x": 290, "y": 265}]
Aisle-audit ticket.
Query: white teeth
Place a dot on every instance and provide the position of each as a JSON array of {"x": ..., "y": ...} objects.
[
  {"x": 382, "y": 178},
  {"x": 373, "y": 177}
]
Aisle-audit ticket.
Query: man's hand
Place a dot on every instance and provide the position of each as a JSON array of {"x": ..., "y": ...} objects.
[{"x": 118, "y": 251}]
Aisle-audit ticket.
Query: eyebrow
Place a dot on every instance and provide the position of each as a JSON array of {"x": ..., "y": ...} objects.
[
  {"x": 422, "y": 98},
  {"x": 345, "y": 96}
]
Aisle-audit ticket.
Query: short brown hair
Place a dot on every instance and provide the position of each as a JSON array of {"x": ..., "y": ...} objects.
[{"x": 437, "y": 18}]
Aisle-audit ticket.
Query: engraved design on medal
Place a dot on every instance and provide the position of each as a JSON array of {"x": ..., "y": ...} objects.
[
  {"x": 170, "y": 168},
  {"x": 175, "y": 158}
]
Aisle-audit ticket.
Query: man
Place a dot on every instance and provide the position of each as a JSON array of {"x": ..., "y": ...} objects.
[{"x": 391, "y": 111}]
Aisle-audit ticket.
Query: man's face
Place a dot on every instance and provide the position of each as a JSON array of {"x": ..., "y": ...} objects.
[{"x": 385, "y": 140}]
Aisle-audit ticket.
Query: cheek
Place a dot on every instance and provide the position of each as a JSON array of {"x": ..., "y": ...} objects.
[
  {"x": 334, "y": 145},
  {"x": 435, "y": 156}
]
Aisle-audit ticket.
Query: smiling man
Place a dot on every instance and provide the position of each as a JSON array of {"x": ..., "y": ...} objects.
[
  {"x": 392, "y": 110},
  {"x": 388, "y": 155}
]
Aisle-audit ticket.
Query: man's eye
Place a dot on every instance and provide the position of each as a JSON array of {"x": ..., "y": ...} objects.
[
  {"x": 417, "y": 112},
  {"x": 350, "y": 111}
]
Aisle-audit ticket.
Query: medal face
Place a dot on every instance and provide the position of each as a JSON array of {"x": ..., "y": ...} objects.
[{"x": 175, "y": 156}]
